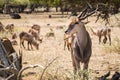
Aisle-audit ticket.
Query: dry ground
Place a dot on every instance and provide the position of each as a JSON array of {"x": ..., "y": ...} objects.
[{"x": 100, "y": 62}]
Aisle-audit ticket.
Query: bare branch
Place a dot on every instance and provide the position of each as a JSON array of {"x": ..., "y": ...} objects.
[
  {"x": 9, "y": 67},
  {"x": 47, "y": 67},
  {"x": 1, "y": 65},
  {"x": 86, "y": 12},
  {"x": 9, "y": 77},
  {"x": 90, "y": 6},
  {"x": 83, "y": 12},
  {"x": 27, "y": 67}
]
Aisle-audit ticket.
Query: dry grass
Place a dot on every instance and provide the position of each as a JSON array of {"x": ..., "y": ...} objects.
[
  {"x": 115, "y": 47},
  {"x": 61, "y": 68}
]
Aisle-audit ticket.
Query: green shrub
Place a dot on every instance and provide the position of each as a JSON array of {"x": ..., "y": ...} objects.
[
  {"x": 1, "y": 3},
  {"x": 24, "y": 2}
]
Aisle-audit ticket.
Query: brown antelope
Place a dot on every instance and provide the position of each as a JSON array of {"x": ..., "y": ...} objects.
[
  {"x": 13, "y": 39},
  {"x": 10, "y": 27},
  {"x": 36, "y": 27},
  {"x": 104, "y": 31},
  {"x": 35, "y": 34},
  {"x": 24, "y": 36},
  {"x": 14, "y": 35},
  {"x": 2, "y": 27},
  {"x": 82, "y": 44},
  {"x": 68, "y": 41}
]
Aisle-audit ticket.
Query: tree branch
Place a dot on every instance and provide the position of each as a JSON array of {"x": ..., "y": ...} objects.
[
  {"x": 46, "y": 68},
  {"x": 25, "y": 68}
]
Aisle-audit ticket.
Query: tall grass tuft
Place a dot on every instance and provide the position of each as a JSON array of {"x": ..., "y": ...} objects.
[{"x": 115, "y": 47}]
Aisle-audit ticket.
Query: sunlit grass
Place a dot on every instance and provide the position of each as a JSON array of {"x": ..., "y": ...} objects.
[{"x": 115, "y": 47}]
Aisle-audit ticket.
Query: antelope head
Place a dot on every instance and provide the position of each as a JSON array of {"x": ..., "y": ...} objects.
[
  {"x": 75, "y": 23},
  {"x": 72, "y": 28}
]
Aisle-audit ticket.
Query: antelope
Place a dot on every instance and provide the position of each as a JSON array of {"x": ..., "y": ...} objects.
[
  {"x": 2, "y": 27},
  {"x": 24, "y": 36},
  {"x": 104, "y": 31},
  {"x": 68, "y": 41},
  {"x": 13, "y": 40},
  {"x": 36, "y": 27},
  {"x": 35, "y": 34},
  {"x": 10, "y": 27},
  {"x": 82, "y": 45}
]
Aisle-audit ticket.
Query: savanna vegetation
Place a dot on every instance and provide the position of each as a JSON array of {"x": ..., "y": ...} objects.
[
  {"x": 64, "y": 5},
  {"x": 51, "y": 61}
]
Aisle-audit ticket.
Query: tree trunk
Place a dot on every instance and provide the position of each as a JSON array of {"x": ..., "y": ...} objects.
[
  {"x": 47, "y": 8},
  {"x": 61, "y": 9},
  {"x": 3, "y": 55},
  {"x": 116, "y": 10},
  {"x": 56, "y": 8},
  {"x": 73, "y": 11},
  {"x": 6, "y": 9}
]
